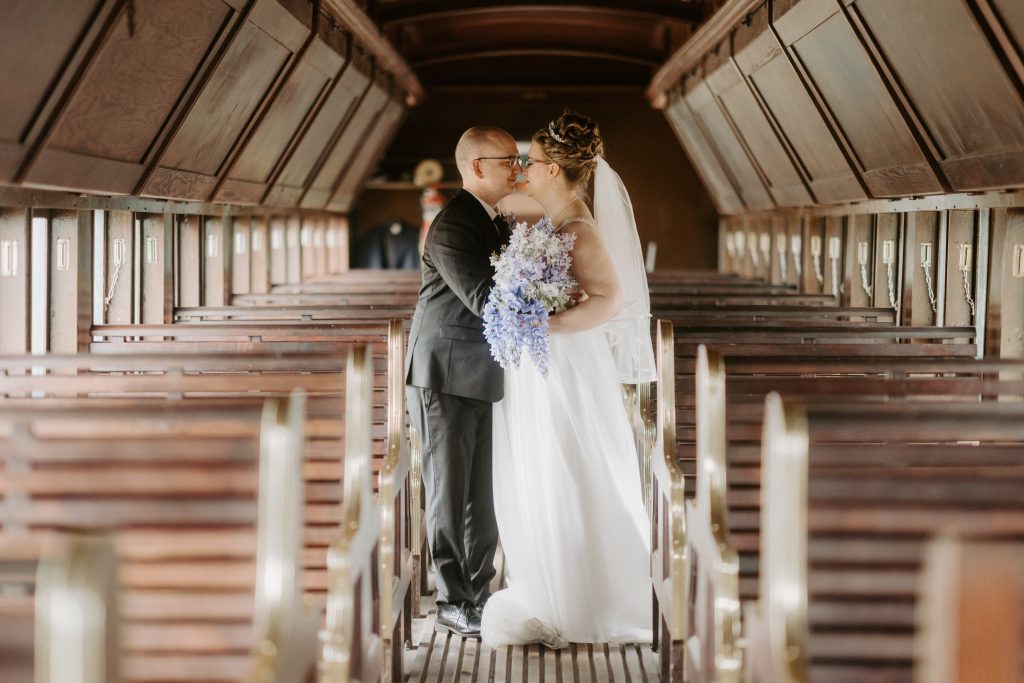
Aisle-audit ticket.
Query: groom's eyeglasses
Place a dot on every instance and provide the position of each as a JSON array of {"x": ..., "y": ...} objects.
[{"x": 512, "y": 160}]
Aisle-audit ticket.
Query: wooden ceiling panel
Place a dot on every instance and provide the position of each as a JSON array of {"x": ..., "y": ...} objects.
[
  {"x": 702, "y": 154},
  {"x": 888, "y": 156},
  {"x": 33, "y": 55},
  {"x": 366, "y": 159},
  {"x": 347, "y": 145},
  {"x": 970, "y": 107},
  {"x": 527, "y": 43},
  {"x": 328, "y": 124}
]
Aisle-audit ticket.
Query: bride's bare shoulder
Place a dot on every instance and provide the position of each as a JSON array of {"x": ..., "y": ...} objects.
[{"x": 578, "y": 225}]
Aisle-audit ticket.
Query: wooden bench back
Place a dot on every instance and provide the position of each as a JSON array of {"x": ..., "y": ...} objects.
[
  {"x": 176, "y": 486},
  {"x": 59, "y": 615},
  {"x": 843, "y": 531},
  {"x": 351, "y": 647},
  {"x": 971, "y": 612}
]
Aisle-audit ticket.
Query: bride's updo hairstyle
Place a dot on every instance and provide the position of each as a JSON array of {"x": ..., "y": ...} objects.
[{"x": 573, "y": 141}]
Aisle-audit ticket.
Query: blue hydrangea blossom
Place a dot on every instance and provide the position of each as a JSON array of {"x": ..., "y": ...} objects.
[{"x": 531, "y": 281}]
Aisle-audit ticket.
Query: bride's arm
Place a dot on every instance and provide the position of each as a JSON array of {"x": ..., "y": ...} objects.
[{"x": 593, "y": 269}]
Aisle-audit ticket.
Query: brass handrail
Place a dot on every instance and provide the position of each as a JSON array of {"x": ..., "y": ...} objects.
[
  {"x": 396, "y": 559},
  {"x": 783, "y": 579},
  {"x": 721, "y": 569},
  {"x": 76, "y": 614},
  {"x": 284, "y": 621},
  {"x": 350, "y": 639},
  {"x": 671, "y": 484}
]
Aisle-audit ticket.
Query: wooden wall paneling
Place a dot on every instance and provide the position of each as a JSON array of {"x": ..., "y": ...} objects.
[
  {"x": 119, "y": 268},
  {"x": 259, "y": 259},
  {"x": 1006, "y": 304},
  {"x": 15, "y": 280},
  {"x": 998, "y": 260},
  {"x": 940, "y": 255},
  {"x": 764, "y": 247},
  {"x": 307, "y": 253},
  {"x": 961, "y": 291},
  {"x": 39, "y": 281},
  {"x": 839, "y": 68},
  {"x": 293, "y": 249},
  {"x": 338, "y": 245},
  {"x": 968, "y": 106},
  {"x": 359, "y": 124},
  {"x": 705, "y": 161},
  {"x": 983, "y": 242},
  {"x": 755, "y": 265},
  {"x": 920, "y": 263},
  {"x": 741, "y": 256},
  {"x": 229, "y": 104},
  {"x": 154, "y": 235},
  {"x": 38, "y": 60},
  {"x": 778, "y": 167},
  {"x": 278, "y": 126},
  {"x": 814, "y": 255},
  {"x": 795, "y": 233},
  {"x": 786, "y": 98},
  {"x": 304, "y": 160},
  {"x": 331, "y": 239},
  {"x": 779, "y": 246},
  {"x": 727, "y": 245},
  {"x": 888, "y": 274},
  {"x": 859, "y": 250},
  {"x": 216, "y": 261},
  {"x": 1011, "y": 302},
  {"x": 833, "y": 255},
  {"x": 278, "y": 251},
  {"x": 320, "y": 242},
  {"x": 350, "y": 183},
  {"x": 730, "y": 151},
  {"x": 114, "y": 111},
  {"x": 63, "y": 290},
  {"x": 241, "y": 261},
  {"x": 85, "y": 294},
  {"x": 189, "y": 259}
]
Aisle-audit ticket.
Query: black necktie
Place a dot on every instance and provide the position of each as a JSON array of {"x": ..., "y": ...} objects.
[{"x": 499, "y": 225}]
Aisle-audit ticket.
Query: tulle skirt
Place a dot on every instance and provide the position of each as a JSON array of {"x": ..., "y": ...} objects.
[{"x": 568, "y": 501}]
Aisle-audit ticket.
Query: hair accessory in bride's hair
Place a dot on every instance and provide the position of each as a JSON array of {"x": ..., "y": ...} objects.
[{"x": 552, "y": 133}]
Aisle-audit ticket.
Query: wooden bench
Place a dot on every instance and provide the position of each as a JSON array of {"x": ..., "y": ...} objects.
[
  {"x": 670, "y": 568},
  {"x": 176, "y": 486},
  {"x": 971, "y": 612},
  {"x": 236, "y": 337},
  {"x": 724, "y": 555},
  {"x": 242, "y": 379},
  {"x": 351, "y": 643},
  {"x": 845, "y": 531},
  {"x": 282, "y": 312},
  {"x": 59, "y": 616}
]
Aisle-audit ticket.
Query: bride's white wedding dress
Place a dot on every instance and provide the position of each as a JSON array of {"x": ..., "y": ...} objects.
[{"x": 568, "y": 502}]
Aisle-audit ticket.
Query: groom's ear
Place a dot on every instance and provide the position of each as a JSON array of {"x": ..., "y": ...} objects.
[{"x": 478, "y": 168}]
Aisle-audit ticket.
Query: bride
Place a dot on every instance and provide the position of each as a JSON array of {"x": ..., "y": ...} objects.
[{"x": 567, "y": 489}]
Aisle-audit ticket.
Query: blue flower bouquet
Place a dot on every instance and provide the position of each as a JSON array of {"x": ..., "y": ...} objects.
[{"x": 531, "y": 281}]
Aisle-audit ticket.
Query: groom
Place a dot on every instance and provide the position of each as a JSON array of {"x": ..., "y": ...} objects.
[{"x": 452, "y": 381}]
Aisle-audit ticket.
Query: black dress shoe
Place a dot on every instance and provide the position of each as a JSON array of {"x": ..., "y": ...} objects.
[
  {"x": 456, "y": 619},
  {"x": 473, "y": 616}
]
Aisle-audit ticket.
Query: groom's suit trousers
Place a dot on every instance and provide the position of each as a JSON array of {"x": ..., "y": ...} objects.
[{"x": 461, "y": 528}]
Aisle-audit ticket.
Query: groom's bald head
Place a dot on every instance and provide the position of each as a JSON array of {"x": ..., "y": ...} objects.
[
  {"x": 483, "y": 155},
  {"x": 482, "y": 141}
]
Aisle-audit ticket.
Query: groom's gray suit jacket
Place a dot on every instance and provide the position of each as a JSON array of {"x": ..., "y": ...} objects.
[{"x": 447, "y": 349}]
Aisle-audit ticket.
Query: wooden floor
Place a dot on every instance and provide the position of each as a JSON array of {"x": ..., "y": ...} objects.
[{"x": 441, "y": 658}]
